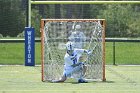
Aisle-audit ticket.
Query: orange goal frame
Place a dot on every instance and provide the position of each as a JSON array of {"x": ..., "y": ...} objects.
[{"x": 43, "y": 21}]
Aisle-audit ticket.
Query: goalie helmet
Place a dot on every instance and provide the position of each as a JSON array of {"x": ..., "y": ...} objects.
[
  {"x": 77, "y": 27},
  {"x": 69, "y": 46}
]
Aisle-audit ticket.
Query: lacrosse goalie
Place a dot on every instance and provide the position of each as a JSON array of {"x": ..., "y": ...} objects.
[{"x": 72, "y": 66}]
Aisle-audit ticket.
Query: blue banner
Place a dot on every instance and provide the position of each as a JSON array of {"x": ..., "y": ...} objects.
[{"x": 29, "y": 46}]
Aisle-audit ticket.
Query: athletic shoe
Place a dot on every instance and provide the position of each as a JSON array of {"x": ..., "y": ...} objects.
[{"x": 82, "y": 81}]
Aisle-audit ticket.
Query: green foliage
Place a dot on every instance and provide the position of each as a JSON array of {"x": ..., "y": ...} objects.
[
  {"x": 122, "y": 21},
  {"x": 36, "y": 21},
  {"x": 12, "y": 19}
]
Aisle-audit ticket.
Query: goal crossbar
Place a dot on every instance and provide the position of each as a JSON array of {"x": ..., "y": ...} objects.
[
  {"x": 85, "y": 2},
  {"x": 63, "y": 20}
]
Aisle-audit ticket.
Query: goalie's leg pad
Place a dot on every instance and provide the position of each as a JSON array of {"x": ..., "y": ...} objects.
[{"x": 75, "y": 70}]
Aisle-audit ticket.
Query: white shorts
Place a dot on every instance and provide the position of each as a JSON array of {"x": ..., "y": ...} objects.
[{"x": 71, "y": 71}]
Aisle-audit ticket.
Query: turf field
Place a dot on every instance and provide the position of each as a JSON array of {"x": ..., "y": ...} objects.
[
  {"x": 21, "y": 79},
  {"x": 127, "y": 53}
]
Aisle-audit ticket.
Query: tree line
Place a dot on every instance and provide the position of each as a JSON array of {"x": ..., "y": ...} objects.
[{"x": 121, "y": 20}]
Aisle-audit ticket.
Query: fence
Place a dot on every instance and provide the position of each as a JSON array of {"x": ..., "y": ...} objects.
[
  {"x": 118, "y": 50},
  {"x": 122, "y": 40}
]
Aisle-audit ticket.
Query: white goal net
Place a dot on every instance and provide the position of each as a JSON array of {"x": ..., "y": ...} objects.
[{"x": 55, "y": 33}]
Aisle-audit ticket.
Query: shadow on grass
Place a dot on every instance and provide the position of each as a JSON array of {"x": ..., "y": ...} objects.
[
  {"x": 109, "y": 81},
  {"x": 94, "y": 82}
]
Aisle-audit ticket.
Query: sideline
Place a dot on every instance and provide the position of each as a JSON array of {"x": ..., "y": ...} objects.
[
  {"x": 40, "y": 65},
  {"x": 20, "y": 65},
  {"x": 123, "y": 65}
]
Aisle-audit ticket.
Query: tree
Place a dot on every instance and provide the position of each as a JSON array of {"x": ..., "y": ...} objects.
[
  {"x": 36, "y": 17},
  {"x": 57, "y": 11},
  {"x": 12, "y": 19},
  {"x": 69, "y": 11},
  {"x": 120, "y": 21}
]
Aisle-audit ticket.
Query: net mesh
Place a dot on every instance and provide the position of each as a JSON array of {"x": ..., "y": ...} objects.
[{"x": 57, "y": 33}]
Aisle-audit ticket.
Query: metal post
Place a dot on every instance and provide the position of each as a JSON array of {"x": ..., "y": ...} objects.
[
  {"x": 29, "y": 13},
  {"x": 114, "y": 53}
]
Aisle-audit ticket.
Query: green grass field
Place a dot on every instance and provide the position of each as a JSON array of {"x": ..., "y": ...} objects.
[
  {"x": 21, "y": 79},
  {"x": 126, "y": 53},
  {"x": 13, "y": 53}
]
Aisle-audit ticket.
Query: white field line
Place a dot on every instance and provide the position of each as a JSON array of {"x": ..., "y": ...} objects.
[
  {"x": 40, "y": 65},
  {"x": 69, "y": 90},
  {"x": 20, "y": 65}
]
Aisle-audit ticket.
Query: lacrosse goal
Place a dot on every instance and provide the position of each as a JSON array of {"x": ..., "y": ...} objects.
[{"x": 54, "y": 35}]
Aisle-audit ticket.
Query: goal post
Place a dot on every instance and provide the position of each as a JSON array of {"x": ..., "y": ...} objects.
[
  {"x": 55, "y": 34},
  {"x": 85, "y": 2}
]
